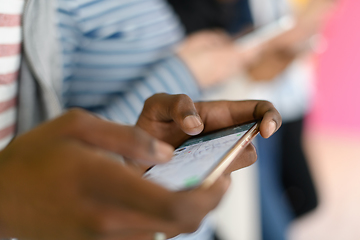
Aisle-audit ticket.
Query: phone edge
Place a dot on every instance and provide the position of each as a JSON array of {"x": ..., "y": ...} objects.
[{"x": 239, "y": 146}]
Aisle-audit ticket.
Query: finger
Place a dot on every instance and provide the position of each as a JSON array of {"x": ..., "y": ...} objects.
[
  {"x": 221, "y": 37},
  {"x": 130, "y": 142},
  {"x": 178, "y": 108},
  {"x": 221, "y": 114},
  {"x": 244, "y": 159},
  {"x": 214, "y": 38},
  {"x": 114, "y": 185},
  {"x": 114, "y": 223},
  {"x": 214, "y": 193},
  {"x": 128, "y": 224},
  {"x": 271, "y": 118},
  {"x": 191, "y": 207}
]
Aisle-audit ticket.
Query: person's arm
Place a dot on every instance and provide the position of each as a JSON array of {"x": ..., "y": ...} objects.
[
  {"x": 201, "y": 61},
  {"x": 126, "y": 66},
  {"x": 171, "y": 75},
  {"x": 124, "y": 52}
]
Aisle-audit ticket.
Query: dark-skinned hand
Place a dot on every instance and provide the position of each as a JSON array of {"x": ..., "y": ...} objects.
[
  {"x": 60, "y": 181},
  {"x": 175, "y": 118}
]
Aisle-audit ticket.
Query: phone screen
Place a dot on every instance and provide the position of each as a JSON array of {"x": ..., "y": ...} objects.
[{"x": 195, "y": 159}]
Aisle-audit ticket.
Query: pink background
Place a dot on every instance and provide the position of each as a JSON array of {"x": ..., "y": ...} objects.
[{"x": 337, "y": 101}]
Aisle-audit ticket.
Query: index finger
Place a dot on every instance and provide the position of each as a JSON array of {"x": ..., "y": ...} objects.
[
  {"x": 178, "y": 108},
  {"x": 221, "y": 114},
  {"x": 184, "y": 211},
  {"x": 130, "y": 142}
]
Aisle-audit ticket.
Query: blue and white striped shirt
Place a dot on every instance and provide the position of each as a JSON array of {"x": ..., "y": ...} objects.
[{"x": 117, "y": 53}]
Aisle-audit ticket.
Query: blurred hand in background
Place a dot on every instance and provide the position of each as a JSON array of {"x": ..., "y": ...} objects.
[
  {"x": 275, "y": 55},
  {"x": 211, "y": 56}
]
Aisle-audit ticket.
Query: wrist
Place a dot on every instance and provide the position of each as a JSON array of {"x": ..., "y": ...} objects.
[{"x": 194, "y": 68}]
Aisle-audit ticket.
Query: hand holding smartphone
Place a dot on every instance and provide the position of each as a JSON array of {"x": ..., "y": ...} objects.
[
  {"x": 266, "y": 33},
  {"x": 201, "y": 160},
  {"x": 168, "y": 122}
]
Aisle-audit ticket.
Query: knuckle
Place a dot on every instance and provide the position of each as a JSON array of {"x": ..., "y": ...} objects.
[
  {"x": 262, "y": 107},
  {"x": 153, "y": 99},
  {"x": 77, "y": 112},
  {"x": 266, "y": 103},
  {"x": 153, "y": 103},
  {"x": 149, "y": 100},
  {"x": 143, "y": 140},
  {"x": 269, "y": 103},
  {"x": 182, "y": 98},
  {"x": 76, "y": 117},
  {"x": 179, "y": 101}
]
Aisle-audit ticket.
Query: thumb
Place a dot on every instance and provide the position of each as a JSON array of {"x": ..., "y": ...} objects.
[{"x": 178, "y": 108}]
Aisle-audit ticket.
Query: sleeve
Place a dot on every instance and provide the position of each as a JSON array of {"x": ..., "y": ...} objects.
[
  {"x": 117, "y": 54},
  {"x": 169, "y": 76}
]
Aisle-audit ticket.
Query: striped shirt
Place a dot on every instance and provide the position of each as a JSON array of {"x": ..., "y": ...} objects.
[
  {"x": 10, "y": 49},
  {"x": 117, "y": 53}
]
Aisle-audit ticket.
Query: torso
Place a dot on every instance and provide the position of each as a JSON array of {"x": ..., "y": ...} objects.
[{"x": 110, "y": 45}]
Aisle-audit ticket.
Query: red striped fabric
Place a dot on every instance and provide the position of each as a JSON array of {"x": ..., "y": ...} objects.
[
  {"x": 10, "y": 20},
  {"x": 7, "y": 131},
  {"x": 7, "y": 50},
  {"x": 7, "y": 105},
  {"x": 9, "y": 24},
  {"x": 9, "y": 78}
]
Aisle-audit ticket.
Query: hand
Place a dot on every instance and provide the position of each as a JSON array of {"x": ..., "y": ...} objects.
[
  {"x": 270, "y": 63},
  {"x": 211, "y": 56},
  {"x": 174, "y": 118},
  {"x": 308, "y": 23},
  {"x": 204, "y": 40},
  {"x": 60, "y": 181},
  {"x": 276, "y": 54},
  {"x": 312, "y": 17}
]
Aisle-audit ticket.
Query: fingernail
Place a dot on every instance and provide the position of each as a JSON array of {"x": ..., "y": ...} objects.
[
  {"x": 192, "y": 122},
  {"x": 272, "y": 127},
  {"x": 163, "y": 151}
]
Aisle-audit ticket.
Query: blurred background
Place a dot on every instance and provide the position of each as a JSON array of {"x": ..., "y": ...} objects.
[{"x": 303, "y": 56}]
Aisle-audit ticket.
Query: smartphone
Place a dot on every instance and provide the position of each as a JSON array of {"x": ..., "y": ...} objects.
[
  {"x": 201, "y": 160},
  {"x": 265, "y": 33}
]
